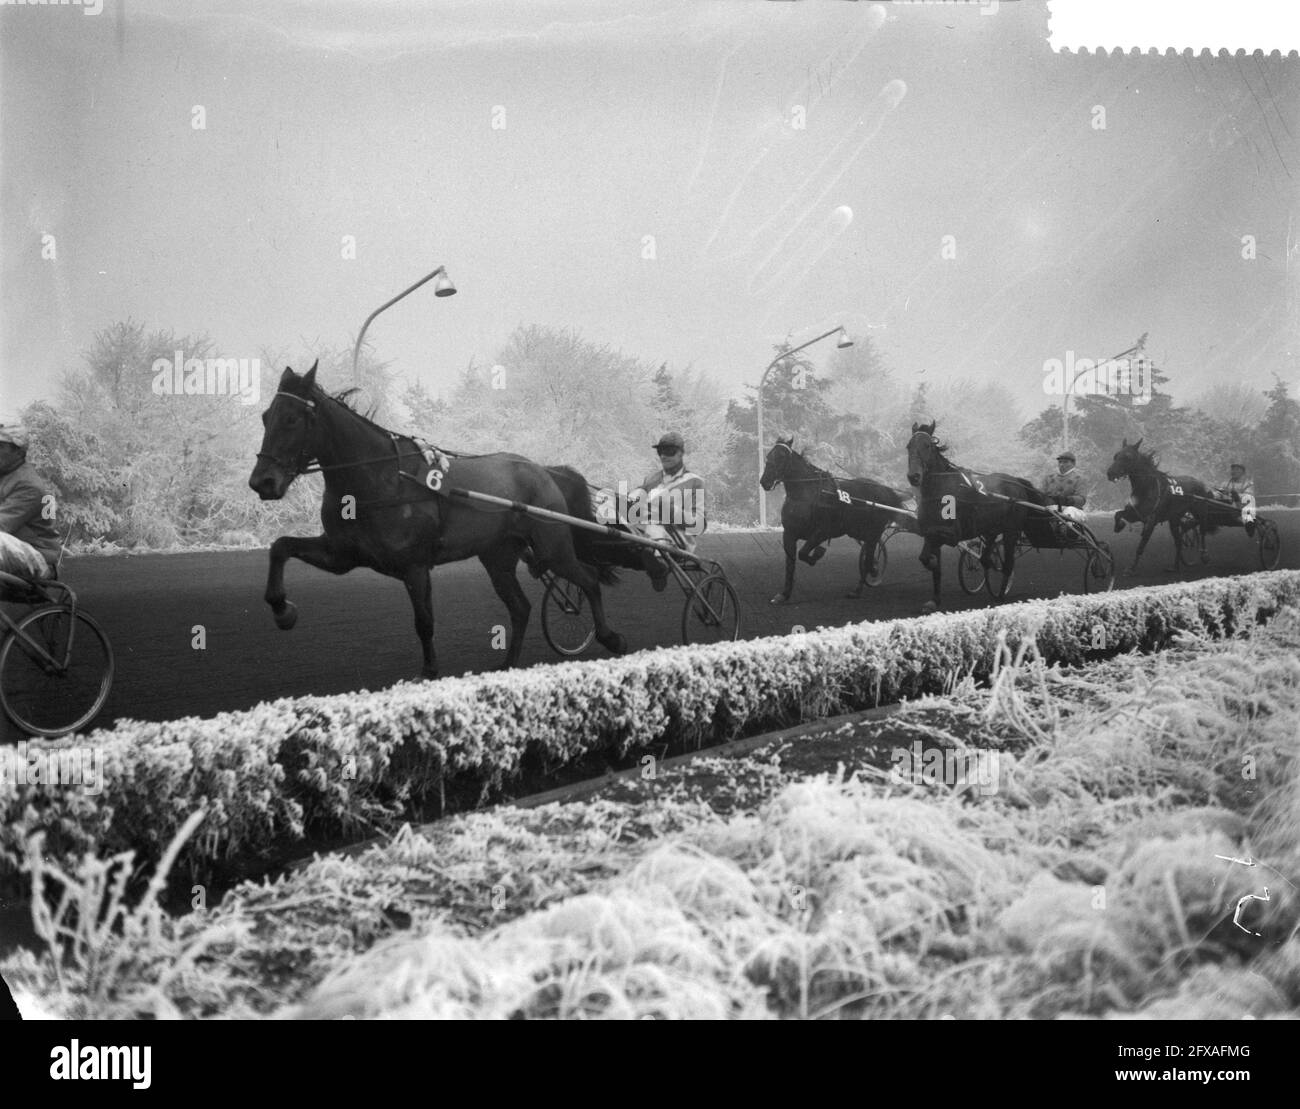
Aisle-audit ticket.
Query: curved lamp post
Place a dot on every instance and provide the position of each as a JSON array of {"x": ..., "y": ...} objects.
[
  {"x": 845, "y": 341},
  {"x": 1137, "y": 348},
  {"x": 444, "y": 288}
]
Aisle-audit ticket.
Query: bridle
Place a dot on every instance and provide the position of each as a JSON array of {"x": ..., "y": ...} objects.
[
  {"x": 929, "y": 470},
  {"x": 821, "y": 474},
  {"x": 303, "y": 464}
]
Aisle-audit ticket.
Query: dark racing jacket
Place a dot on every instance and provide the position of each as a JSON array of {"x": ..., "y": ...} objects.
[{"x": 23, "y": 510}]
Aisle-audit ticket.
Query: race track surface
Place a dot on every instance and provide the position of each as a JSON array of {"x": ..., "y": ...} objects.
[{"x": 355, "y": 632}]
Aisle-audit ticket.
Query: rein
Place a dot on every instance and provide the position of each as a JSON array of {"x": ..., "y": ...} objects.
[{"x": 303, "y": 466}]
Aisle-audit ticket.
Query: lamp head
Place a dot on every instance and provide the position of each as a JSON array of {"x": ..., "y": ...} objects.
[
  {"x": 444, "y": 287},
  {"x": 844, "y": 341}
]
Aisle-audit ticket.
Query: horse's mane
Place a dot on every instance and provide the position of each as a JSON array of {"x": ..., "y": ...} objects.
[{"x": 344, "y": 397}]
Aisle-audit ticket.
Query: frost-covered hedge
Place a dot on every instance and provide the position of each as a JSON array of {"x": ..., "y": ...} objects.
[{"x": 345, "y": 765}]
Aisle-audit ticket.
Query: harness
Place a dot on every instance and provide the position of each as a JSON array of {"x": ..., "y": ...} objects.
[
  {"x": 437, "y": 461},
  {"x": 841, "y": 498}
]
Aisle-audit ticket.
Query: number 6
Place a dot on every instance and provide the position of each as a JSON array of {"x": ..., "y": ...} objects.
[{"x": 434, "y": 480}]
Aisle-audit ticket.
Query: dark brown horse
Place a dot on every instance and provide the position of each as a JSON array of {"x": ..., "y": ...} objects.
[
  {"x": 956, "y": 504},
  {"x": 382, "y": 509},
  {"x": 1159, "y": 498},
  {"x": 818, "y": 507}
]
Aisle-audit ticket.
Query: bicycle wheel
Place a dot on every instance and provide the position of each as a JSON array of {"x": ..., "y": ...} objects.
[
  {"x": 55, "y": 671},
  {"x": 712, "y": 612},
  {"x": 998, "y": 579},
  {"x": 566, "y": 620},
  {"x": 970, "y": 571},
  {"x": 869, "y": 572},
  {"x": 1099, "y": 570},
  {"x": 1270, "y": 544}
]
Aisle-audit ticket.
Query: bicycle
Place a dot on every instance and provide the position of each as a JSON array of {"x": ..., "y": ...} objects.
[{"x": 56, "y": 663}]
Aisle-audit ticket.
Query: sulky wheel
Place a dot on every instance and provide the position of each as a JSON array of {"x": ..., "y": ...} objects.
[
  {"x": 869, "y": 572},
  {"x": 566, "y": 619},
  {"x": 1099, "y": 570},
  {"x": 1270, "y": 544},
  {"x": 712, "y": 612},
  {"x": 971, "y": 575}
]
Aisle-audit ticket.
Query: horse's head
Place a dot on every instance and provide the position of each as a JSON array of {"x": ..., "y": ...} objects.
[
  {"x": 778, "y": 463},
  {"x": 289, "y": 442},
  {"x": 924, "y": 452},
  {"x": 1129, "y": 459}
]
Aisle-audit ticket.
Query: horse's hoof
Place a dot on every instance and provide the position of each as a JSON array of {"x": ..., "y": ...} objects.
[
  {"x": 428, "y": 674},
  {"x": 929, "y": 607},
  {"x": 287, "y": 616},
  {"x": 779, "y": 599},
  {"x": 616, "y": 644},
  {"x": 1205, "y": 558},
  {"x": 1129, "y": 572}
]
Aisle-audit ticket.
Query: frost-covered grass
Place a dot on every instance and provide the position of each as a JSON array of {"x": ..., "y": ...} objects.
[
  {"x": 1094, "y": 882},
  {"x": 362, "y": 762}
]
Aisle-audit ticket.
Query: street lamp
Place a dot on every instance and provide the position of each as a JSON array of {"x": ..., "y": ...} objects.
[
  {"x": 1137, "y": 348},
  {"x": 444, "y": 288},
  {"x": 844, "y": 342}
]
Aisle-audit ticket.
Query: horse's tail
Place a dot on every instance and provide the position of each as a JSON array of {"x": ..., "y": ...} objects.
[
  {"x": 1031, "y": 492},
  {"x": 577, "y": 499},
  {"x": 1198, "y": 489}
]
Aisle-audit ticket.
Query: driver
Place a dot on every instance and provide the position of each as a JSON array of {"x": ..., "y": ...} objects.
[
  {"x": 1065, "y": 488},
  {"x": 672, "y": 500},
  {"x": 29, "y": 545},
  {"x": 1240, "y": 490}
]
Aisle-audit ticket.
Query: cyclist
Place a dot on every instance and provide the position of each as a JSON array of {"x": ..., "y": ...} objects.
[{"x": 29, "y": 545}]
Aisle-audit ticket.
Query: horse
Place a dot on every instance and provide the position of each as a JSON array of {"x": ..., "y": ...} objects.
[
  {"x": 815, "y": 510},
  {"x": 371, "y": 519},
  {"x": 955, "y": 504},
  {"x": 1158, "y": 498}
]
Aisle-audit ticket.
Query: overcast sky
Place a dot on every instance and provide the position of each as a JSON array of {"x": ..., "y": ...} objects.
[{"x": 628, "y": 119}]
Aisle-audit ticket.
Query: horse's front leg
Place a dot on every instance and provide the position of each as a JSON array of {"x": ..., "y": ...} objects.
[
  {"x": 319, "y": 551},
  {"x": 814, "y": 547},
  {"x": 419, "y": 587}
]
